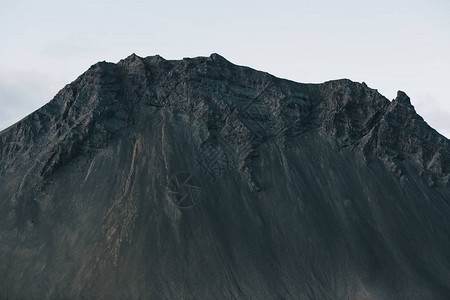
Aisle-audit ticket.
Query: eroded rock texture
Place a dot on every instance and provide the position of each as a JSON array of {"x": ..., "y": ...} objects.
[{"x": 200, "y": 179}]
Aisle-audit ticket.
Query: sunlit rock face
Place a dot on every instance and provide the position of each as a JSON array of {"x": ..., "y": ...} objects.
[{"x": 201, "y": 179}]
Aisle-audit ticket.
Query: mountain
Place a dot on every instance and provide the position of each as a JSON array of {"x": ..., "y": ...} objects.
[{"x": 201, "y": 179}]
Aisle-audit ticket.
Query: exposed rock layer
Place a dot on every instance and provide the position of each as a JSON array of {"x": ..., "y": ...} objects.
[{"x": 294, "y": 191}]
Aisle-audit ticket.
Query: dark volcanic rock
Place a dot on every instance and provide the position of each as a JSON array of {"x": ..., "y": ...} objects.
[{"x": 200, "y": 179}]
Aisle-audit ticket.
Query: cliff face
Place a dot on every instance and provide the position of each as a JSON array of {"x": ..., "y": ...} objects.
[{"x": 200, "y": 179}]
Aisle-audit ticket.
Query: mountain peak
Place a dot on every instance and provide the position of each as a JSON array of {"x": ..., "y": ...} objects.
[
  {"x": 133, "y": 56},
  {"x": 218, "y": 58},
  {"x": 131, "y": 59},
  {"x": 402, "y": 98},
  {"x": 165, "y": 179}
]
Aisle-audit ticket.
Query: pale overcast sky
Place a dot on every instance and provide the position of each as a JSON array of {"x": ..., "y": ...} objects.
[{"x": 389, "y": 44}]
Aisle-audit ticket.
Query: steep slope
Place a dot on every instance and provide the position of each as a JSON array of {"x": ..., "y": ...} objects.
[{"x": 200, "y": 179}]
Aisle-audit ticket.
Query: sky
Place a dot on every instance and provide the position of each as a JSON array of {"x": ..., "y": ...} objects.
[{"x": 389, "y": 44}]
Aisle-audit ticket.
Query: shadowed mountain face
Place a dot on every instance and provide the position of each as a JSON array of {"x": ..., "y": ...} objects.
[{"x": 200, "y": 179}]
